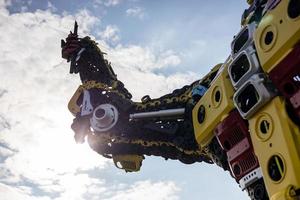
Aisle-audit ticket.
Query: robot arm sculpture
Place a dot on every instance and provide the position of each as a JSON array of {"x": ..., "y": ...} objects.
[{"x": 244, "y": 115}]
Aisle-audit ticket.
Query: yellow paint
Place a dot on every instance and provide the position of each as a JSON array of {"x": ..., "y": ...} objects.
[
  {"x": 285, "y": 32},
  {"x": 128, "y": 162},
  {"x": 273, "y": 133},
  {"x": 215, "y": 110},
  {"x": 73, "y": 107}
]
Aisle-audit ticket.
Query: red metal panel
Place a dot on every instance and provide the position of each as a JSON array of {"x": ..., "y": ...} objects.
[
  {"x": 238, "y": 149},
  {"x": 295, "y": 101},
  {"x": 233, "y": 136},
  {"x": 286, "y": 75},
  {"x": 244, "y": 164},
  {"x": 231, "y": 130}
]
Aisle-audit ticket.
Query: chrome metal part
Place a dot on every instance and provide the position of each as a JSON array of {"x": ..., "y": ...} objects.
[
  {"x": 105, "y": 116},
  {"x": 158, "y": 114},
  {"x": 243, "y": 39},
  {"x": 250, "y": 178},
  {"x": 253, "y": 94},
  {"x": 79, "y": 54},
  {"x": 244, "y": 65},
  {"x": 87, "y": 107}
]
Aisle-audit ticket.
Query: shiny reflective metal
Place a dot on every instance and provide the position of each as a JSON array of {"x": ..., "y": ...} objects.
[
  {"x": 87, "y": 107},
  {"x": 105, "y": 116},
  {"x": 250, "y": 178},
  {"x": 244, "y": 65},
  {"x": 253, "y": 94},
  {"x": 159, "y": 113},
  {"x": 243, "y": 39}
]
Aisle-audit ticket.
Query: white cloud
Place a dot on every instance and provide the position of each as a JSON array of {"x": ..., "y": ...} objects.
[
  {"x": 142, "y": 59},
  {"x": 147, "y": 190},
  {"x": 2, "y": 92},
  {"x": 108, "y": 3},
  {"x": 110, "y": 34},
  {"x": 36, "y": 97},
  {"x": 4, "y": 123},
  {"x": 49, "y": 5},
  {"x": 24, "y": 9},
  {"x": 9, "y": 193},
  {"x": 5, "y": 152},
  {"x": 3, "y": 4},
  {"x": 35, "y": 122},
  {"x": 143, "y": 83},
  {"x": 112, "y": 2},
  {"x": 35, "y": 103},
  {"x": 135, "y": 66},
  {"x": 136, "y": 12}
]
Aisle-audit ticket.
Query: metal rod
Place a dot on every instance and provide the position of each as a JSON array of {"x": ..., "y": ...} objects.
[{"x": 160, "y": 113}]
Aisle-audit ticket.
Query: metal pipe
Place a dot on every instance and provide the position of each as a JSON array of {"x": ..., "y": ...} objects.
[
  {"x": 159, "y": 113},
  {"x": 105, "y": 116}
]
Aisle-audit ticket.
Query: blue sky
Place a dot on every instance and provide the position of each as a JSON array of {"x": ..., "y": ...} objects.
[
  {"x": 154, "y": 46},
  {"x": 189, "y": 28}
]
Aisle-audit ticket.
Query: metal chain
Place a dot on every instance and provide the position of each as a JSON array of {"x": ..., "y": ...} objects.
[
  {"x": 93, "y": 61},
  {"x": 183, "y": 95},
  {"x": 146, "y": 143}
]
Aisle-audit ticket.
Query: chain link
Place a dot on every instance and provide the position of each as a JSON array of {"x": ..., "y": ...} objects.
[{"x": 184, "y": 95}]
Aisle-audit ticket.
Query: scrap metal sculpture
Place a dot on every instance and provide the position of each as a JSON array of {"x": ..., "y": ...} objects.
[{"x": 244, "y": 115}]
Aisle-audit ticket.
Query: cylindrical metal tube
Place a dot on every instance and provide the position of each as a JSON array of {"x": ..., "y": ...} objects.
[
  {"x": 105, "y": 116},
  {"x": 159, "y": 113}
]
